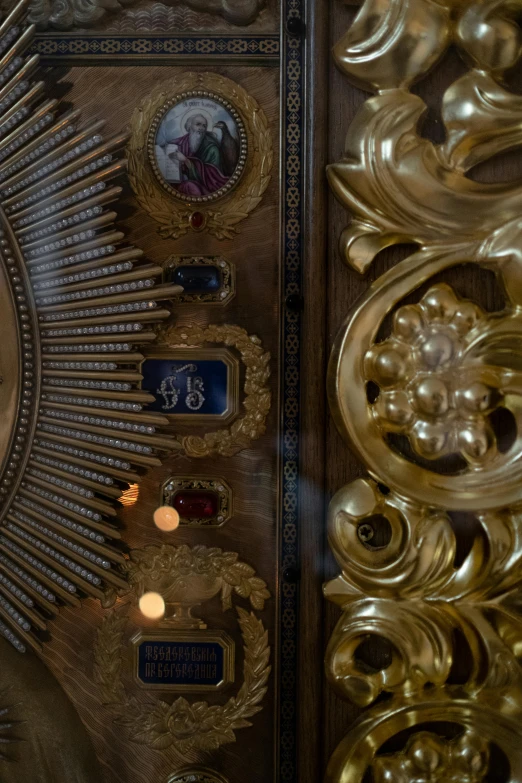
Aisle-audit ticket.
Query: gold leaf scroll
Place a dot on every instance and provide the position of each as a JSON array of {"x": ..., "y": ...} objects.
[{"x": 439, "y": 381}]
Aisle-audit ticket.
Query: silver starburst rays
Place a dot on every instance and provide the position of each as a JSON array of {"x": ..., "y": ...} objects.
[{"x": 76, "y": 304}]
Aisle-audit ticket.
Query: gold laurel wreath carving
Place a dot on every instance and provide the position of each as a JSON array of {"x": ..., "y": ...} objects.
[
  {"x": 186, "y": 726},
  {"x": 229, "y": 441},
  {"x": 166, "y": 568},
  {"x": 221, "y": 220},
  {"x": 107, "y": 656}
]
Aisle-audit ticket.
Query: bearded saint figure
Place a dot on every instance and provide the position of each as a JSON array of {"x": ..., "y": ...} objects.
[{"x": 200, "y": 156}]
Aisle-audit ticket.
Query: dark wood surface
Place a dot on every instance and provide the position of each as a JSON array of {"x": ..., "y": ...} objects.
[{"x": 312, "y": 533}]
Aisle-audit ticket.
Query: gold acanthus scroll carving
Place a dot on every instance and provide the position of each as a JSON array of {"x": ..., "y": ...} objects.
[{"x": 433, "y": 407}]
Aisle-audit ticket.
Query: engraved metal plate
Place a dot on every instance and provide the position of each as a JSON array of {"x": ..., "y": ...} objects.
[
  {"x": 193, "y": 385},
  {"x": 184, "y": 660}
]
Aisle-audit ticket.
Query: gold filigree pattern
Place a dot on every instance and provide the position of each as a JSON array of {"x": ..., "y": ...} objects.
[
  {"x": 186, "y": 576},
  {"x": 229, "y": 441},
  {"x": 220, "y": 220},
  {"x": 432, "y": 407}
]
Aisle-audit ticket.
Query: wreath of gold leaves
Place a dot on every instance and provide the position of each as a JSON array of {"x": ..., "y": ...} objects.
[
  {"x": 187, "y": 726},
  {"x": 220, "y": 221},
  {"x": 229, "y": 441}
]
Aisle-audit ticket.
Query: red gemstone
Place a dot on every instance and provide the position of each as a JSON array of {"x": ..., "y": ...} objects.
[
  {"x": 197, "y": 220},
  {"x": 193, "y": 503}
]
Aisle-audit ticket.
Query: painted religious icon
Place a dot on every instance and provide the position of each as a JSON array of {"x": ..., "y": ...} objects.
[
  {"x": 198, "y": 147},
  {"x": 196, "y": 139}
]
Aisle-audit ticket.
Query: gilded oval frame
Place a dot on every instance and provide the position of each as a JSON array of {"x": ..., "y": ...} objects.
[
  {"x": 171, "y": 103},
  {"x": 219, "y": 215}
]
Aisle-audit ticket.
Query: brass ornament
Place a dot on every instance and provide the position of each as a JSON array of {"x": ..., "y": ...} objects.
[
  {"x": 432, "y": 408},
  {"x": 226, "y": 442},
  {"x": 226, "y": 291},
  {"x": 218, "y": 486},
  {"x": 78, "y": 305},
  {"x": 69, "y": 14},
  {"x": 219, "y": 217},
  {"x": 470, "y": 718},
  {"x": 198, "y": 775},
  {"x": 427, "y": 757},
  {"x": 185, "y": 577},
  {"x": 399, "y": 186}
]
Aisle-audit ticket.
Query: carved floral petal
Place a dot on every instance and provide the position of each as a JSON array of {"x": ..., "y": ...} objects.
[
  {"x": 490, "y": 35},
  {"x": 482, "y": 119}
]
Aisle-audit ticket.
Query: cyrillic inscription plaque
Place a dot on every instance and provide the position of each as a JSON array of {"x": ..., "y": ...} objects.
[{"x": 185, "y": 661}]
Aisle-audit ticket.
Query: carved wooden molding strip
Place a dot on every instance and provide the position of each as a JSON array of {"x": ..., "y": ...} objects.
[{"x": 434, "y": 389}]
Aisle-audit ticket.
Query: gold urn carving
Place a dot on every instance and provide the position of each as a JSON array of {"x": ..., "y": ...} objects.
[
  {"x": 184, "y": 573},
  {"x": 427, "y": 393}
]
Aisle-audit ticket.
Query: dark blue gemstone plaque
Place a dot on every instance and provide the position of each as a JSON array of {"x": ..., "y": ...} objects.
[
  {"x": 208, "y": 280},
  {"x": 187, "y": 387},
  {"x": 180, "y": 663},
  {"x": 197, "y": 661},
  {"x": 197, "y": 279}
]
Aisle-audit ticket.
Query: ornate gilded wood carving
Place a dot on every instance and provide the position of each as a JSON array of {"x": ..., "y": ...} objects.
[
  {"x": 186, "y": 577},
  {"x": 69, "y": 14},
  {"x": 433, "y": 407},
  {"x": 251, "y": 424},
  {"x": 205, "y": 196},
  {"x": 218, "y": 490}
]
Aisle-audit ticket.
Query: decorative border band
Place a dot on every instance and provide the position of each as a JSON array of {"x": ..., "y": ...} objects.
[
  {"x": 293, "y": 151},
  {"x": 131, "y": 47}
]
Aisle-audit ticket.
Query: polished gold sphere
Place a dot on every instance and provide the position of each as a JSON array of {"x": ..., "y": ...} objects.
[
  {"x": 407, "y": 322},
  {"x": 389, "y": 366},
  {"x": 475, "y": 398},
  {"x": 440, "y": 303},
  {"x": 437, "y": 350},
  {"x": 431, "y": 396},
  {"x": 429, "y": 440}
]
